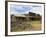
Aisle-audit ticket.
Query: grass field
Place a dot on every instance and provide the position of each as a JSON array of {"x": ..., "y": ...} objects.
[
  {"x": 27, "y": 26},
  {"x": 36, "y": 25}
]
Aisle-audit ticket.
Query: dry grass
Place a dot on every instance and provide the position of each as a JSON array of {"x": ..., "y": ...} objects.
[
  {"x": 36, "y": 25},
  {"x": 27, "y": 26}
]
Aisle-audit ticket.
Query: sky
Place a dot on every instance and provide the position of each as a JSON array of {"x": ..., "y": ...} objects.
[{"x": 25, "y": 9}]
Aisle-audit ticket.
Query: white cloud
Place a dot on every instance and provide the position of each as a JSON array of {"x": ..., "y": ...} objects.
[{"x": 37, "y": 9}]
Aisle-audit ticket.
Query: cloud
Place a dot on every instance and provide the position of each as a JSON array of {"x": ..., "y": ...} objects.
[
  {"x": 23, "y": 9},
  {"x": 20, "y": 9}
]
